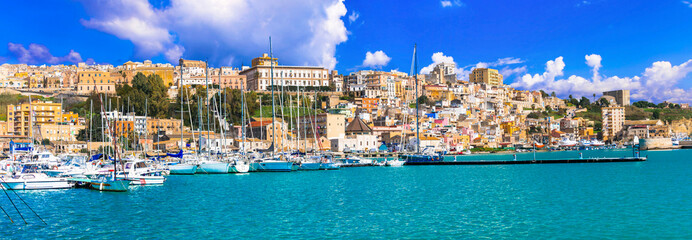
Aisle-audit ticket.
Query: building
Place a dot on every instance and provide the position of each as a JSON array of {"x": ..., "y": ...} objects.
[
  {"x": 326, "y": 124},
  {"x": 613, "y": 120},
  {"x": 19, "y": 122},
  {"x": 59, "y": 132},
  {"x": 130, "y": 69},
  {"x": 259, "y": 78},
  {"x": 487, "y": 76},
  {"x": 622, "y": 97},
  {"x": 229, "y": 78},
  {"x": 443, "y": 73},
  {"x": 98, "y": 81}
]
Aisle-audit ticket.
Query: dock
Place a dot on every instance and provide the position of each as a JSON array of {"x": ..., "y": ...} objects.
[{"x": 537, "y": 161}]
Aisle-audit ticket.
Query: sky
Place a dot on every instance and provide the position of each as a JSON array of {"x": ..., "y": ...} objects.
[{"x": 571, "y": 47}]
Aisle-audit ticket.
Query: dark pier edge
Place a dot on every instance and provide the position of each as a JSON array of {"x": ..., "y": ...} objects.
[{"x": 537, "y": 161}]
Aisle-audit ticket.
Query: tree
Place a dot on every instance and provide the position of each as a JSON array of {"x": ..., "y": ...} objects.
[
  {"x": 552, "y": 94},
  {"x": 662, "y": 105},
  {"x": 603, "y": 102},
  {"x": 584, "y": 102},
  {"x": 45, "y": 141},
  {"x": 656, "y": 114},
  {"x": 144, "y": 90}
]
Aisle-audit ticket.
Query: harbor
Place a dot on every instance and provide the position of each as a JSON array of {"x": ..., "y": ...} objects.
[{"x": 359, "y": 202}]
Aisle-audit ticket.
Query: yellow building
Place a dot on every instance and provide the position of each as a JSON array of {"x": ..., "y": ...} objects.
[
  {"x": 19, "y": 122},
  {"x": 98, "y": 81},
  {"x": 438, "y": 93},
  {"x": 59, "y": 132},
  {"x": 486, "y": 75},
  {"x": 613, "y": 120}
]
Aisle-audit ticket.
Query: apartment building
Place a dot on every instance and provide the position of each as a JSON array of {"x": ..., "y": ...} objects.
[
  {"x": 487, "y": 76},
  {"x": 613, "y": 120}
]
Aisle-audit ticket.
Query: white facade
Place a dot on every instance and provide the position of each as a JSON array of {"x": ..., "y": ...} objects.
[{"x": 355, "y": 143}]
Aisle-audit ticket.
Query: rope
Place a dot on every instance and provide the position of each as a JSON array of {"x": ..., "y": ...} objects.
[
  {"x": 3, "y": 210},
  {"x": 27, "y": 205},
  {"x": 15, "y": 206}
]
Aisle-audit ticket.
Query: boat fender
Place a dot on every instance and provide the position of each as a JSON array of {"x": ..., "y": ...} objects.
[{"x": 55, "y": 167}]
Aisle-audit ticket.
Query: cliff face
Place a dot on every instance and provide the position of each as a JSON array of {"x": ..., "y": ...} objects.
[{"x": 682, "y": 126}]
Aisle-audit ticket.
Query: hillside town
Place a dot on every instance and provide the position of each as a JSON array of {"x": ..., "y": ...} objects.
[{"x": 318, "y": 109}]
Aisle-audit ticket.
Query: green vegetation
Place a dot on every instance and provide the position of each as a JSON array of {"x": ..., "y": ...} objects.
[{"x": 668, "y": 114}]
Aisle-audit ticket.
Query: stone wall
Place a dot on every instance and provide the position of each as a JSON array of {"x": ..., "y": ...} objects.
[{"x": 655, "y": 143}]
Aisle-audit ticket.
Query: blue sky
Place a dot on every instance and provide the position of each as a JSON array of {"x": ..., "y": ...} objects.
[{"x": 634, "y": 39}]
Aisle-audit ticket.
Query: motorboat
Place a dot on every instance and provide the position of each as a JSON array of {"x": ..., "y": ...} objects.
[
  {"x": 394, "y": 163},
  {"x": 140, "y": 172},
  {"x": 33, "y": 181},
  {"x": 567, "y": 143}
]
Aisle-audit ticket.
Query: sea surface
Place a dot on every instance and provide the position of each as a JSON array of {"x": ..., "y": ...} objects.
[{"x": 638, "y": 200}]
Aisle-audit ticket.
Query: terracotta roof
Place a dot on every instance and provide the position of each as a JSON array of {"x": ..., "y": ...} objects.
[{"x": 358, "y": 126}]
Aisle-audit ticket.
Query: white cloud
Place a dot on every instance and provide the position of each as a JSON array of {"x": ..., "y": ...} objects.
[
  {"x": 688, "y": 3},
  {"x": 657, "y": 83},
  {"x": 353, "y": 17},
  {"x": 37, "y": 53},
  {"x": 594, "y": 61},
  {"x": 304, "y": 32},
  {"x": 376, "y": 60},
  {"x": 451, "y": 3},
  {"x": 437, "y": 58}
]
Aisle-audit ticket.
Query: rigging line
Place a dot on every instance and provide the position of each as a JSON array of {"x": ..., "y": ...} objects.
[
  {"x": 15, "y": 206},
  {"x": 3, "y": 210},
  {"x": 27, "y": 205}
]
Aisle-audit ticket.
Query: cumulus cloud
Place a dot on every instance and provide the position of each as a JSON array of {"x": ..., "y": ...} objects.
[
  {"x": 37, "y": 53},
  {"x": 657, "y": 83},
  {"x": 688, "y": 3},
  {"x": 353, "y": 17},
  {"x": 451, "y": 3},
  {"x": 376, "y": 60},
  {"x": 594, "y": 61},
  {"x": 304, "y": 32}
]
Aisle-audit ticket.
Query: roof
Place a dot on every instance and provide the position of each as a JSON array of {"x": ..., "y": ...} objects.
[
  {"x": 358, "y": 126},
  {"x": 642, "y": 122}
]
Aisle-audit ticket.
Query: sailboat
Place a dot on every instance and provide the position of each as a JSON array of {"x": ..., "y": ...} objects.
[
  {"x": 240, "y": 164},
  {"x": 418, "y": 156},
  {"x": 111, "y": 183},
  {"x": 208, "y": 165},
  {"x": 182, "y": 167},
  {"x": 274, "y": 163}
]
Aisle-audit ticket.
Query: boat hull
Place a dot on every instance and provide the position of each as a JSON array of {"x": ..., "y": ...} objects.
[
  {"x": 182, "y": 169},
  {"x": 147, "y": 180},
  {"x": 278, "y": 166},
  {"x": 421, "y": 158},
  {"x": 329, "y": 166},
  {"x": 121, "y": 185},
  {"x": 213, "y": 168},
  {"x": 36, "y": 185},
  {"x": 239, "y": 168},
  {"x": 309, "y": 166}
]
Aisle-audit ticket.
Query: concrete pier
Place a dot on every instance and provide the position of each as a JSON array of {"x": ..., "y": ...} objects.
[{"x": 537, "y": 161}]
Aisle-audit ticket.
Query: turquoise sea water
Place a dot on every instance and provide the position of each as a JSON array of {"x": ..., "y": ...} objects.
[{"x": 647, "y": 200}]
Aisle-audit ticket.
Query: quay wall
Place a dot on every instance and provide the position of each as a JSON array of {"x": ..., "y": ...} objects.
[{"x": 655, "y": 143}]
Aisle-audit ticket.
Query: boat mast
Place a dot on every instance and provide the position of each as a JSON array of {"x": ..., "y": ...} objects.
[
  {"x": 415, "y": 67},
  {"x": 207, "y": 100},
  {"x": 91, "y": 116},
  {"x": 271, "y": 75},
  {"x": 181, "y": 103},
  {"x": 242, "y": 117}
]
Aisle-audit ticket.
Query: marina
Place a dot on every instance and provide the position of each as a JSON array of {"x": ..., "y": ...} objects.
[{"x": 358, "y": 202}]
